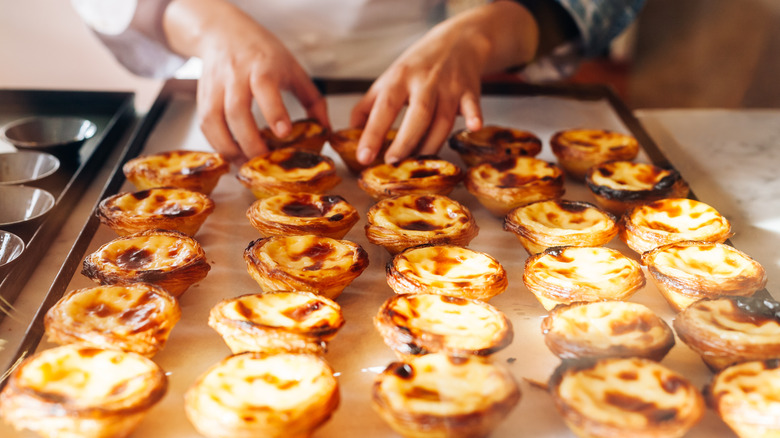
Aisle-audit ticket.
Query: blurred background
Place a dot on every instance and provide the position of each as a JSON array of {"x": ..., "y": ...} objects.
[{"x": 679, "y": 54}]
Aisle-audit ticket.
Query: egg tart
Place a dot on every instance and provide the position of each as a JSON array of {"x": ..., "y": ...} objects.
[
  {"x": 192, "y": 170},
  {"x": 747, "y": 398},
  {"x": 415, "y": 175},
  {"x": 436, "y": 395},
  {"x": 558, "y": 222},
  {"x": 251, "y": 394},
  {"x": 562, "y": 275},
  {"x": 606, "y": 329},
  {"x": 345, "y": 143},
  {"x": 625, "y": 397},
  {"x": 446, "y": 270},
  {"x": 81, "y": 391},
  {"x": 136, "y": 317},
  {"x": 164, "y": 208},
  {"x": 303, "y": 213},
  {"x": 494, "y": 143},
  {"x": 316, "y": 264},
  {"x": 729, "y": 330},
  {"x": 306, "y": 134},
  {"x": 686, "y": 272},
  {"x": 169, "y": 259},
  {"x": 621, "y": 185},
  {"x": 410, "y": 220},
  {"x": 648, "y": 226},
  {"x": 578, "y": 150},
  {"x": 417, "y": 324},
  {"x": 295, "y": 322},
  {"x": 288, "y": 170},
  {"x": 503, "y": 185}
]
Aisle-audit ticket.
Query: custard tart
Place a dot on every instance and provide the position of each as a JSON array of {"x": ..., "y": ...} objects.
[
  {"x": 578, "y": 150},
  {"x": 747, "y": 398},
  {"x": 625, "y": 397},
  {"x": 257, "y": 395},
  {"x": 621, "y": 185},
  {"x": 345, "y": 143},
  {"x": 80, "y": 391},
  {"x": 316, "y": 264},
  {"x": 136, "y": 317},
  {"x": 648, "y": 226},
  {"x": 558, "y": 222},
  {"x": 562, "y": 275},
  {"x": 446, "y": 270},
  {"x": 411, "y": 220},
  {"x": 606, "y": 329},
  {"x": 417, "y": 324},
  {"x": 436, "y": 395},
  {"x": 729, "y": 330},
  {"x": 415, "y": 175},
  {"x": 686, "y": 272},
  {"x": 303, "y": 213},
  {"x": 288, "y": 170},
  {"x": 503, "y": 185},
  {"x": 494, "y": 143},
  {"x": 164, "y": 208},
  {"x": 274, "y": 322},
  {"x": 169, "y": 259},
  {"x": 192, "y": 170},
  {"x": 306, "y": 134}
]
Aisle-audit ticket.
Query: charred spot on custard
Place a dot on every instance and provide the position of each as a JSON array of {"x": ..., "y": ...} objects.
[
  {"x": 424, "y": 173},
  {"x": 424, "y": 204},
  {"x": 402, "y": 370},
  {"x": 302, "y": 209},
  {"x": 454, "y": 300},
  {"x": 420, "y": 225},
  {"x": 176, "y": 210},
  {"x": 301, "y": 160},
  {"x": 755, "y": 310},
  {"x": 300, "y": 313},
  {"x": 134, "y": 258},
  {"x": 141, "y": 195}
]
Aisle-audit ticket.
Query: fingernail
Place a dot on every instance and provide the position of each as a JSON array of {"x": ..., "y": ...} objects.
[
  {"x": 364, "y": 156},
  {"x": 282, "y": 128},
  {"x": 391, "y": 160}
]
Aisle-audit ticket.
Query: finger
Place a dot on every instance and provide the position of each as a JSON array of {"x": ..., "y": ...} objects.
[
  {"x": 212, "y": 122},
  {"x": 380, "y": 120},
  {"x": 440, "y": 129},
  {"x": 241, "y": 121},
  {"x": 269, "y": 99},
  {"x": 471, "y": 110},
  {"x": 413, "y": 126},
  {"x": 309, "y": 96}
]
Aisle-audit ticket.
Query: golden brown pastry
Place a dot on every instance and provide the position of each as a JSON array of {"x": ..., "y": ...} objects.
[
  {"x": 747, "y": 398},
  {"x": 345, "y": 143},
  {"x": 136, "y": 317},
  {"x": 288, "y": 170},
  {"x": 625, "y": 397},
  {"x": 686, "y": 272},
  {"x": 256, "y": 395},
  {"x": 606, "y": 329},
  {"x": 164, "y": 208},
  {"x": 446, "y": 270},
  {"x": 578, "y": 150},
  {"x": 274, "y": 322},
  {"x": 416, "y": 175},
  {"x": 558, "y": 222},
  {"x": 169, "y": 259},
  {"x": 621, "y": 185},
  {"x": 562, "y": 275},
  {"x": 411, "y": 220},
  {"x": 494, "y": 143},
  {"x": 80, "y": 391},
  {"x": 306, "y": 134},
  {"x": 321, "y": 265},
  {"x": 191, "y": 170},
  {"x": 729, "y": 330},
  {"x": 671, "y": 220},
  {"x": 303, "y": 213},
  {"x": 503, "y": 185},
  {"x": 436, "y": 395},
  {"x": 417, "y": 324}
]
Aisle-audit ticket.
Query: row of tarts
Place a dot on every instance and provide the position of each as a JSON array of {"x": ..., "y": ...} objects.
[{"x": 439, "y": 324}]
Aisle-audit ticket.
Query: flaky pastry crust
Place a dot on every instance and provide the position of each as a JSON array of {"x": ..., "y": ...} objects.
[
  {"x": 303, "y": 213},
  {"x": 169, "y": 259},
  {"x": 274, "y": 322},
  {"x": 494, "y": 143},
  {"x": 192, "y": 170},
  {"x": 414, "y": 175},
  {"x": 578, "y": 150},
  {"x": 410, "y": 220},
  {"x": 288, "y": 170},
  {"x": 316, "y": 264},
  {"x": 345, "y": 143},
  {"x": 558, "y": 222},
  {"x": 306, "y": 134}
]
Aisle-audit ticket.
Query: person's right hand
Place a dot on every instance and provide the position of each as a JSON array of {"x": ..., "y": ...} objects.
[{"x": 242, "y": 61}]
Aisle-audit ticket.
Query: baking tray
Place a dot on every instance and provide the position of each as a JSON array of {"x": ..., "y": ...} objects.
[
  {"x": 358, "y": 353},
  {"x": 112, "y": 112}
]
